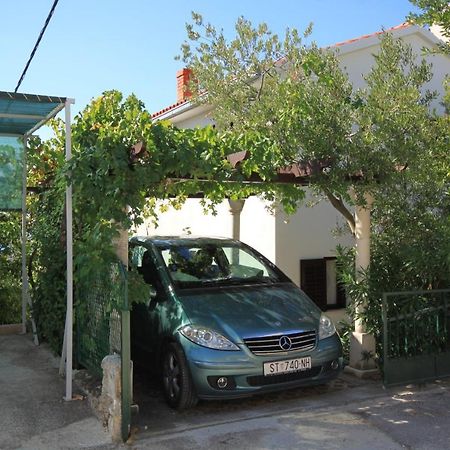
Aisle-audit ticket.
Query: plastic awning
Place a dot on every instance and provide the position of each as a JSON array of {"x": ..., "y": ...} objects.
[{"x": 22, "y": 114}]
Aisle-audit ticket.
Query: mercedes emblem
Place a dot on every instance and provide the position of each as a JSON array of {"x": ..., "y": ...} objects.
[{"x": 285, "y": 343}]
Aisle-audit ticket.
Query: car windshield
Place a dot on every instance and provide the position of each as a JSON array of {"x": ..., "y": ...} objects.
[{"x": 203, "y": 265}]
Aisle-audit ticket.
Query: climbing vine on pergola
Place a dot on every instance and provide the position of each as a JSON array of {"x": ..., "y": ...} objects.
[{"x": 123, "y": 162}]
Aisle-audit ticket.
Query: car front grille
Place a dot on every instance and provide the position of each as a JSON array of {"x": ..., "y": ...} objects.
[
  {"x": 267, "y": 345},
  {"x": 261, "y": 380}
]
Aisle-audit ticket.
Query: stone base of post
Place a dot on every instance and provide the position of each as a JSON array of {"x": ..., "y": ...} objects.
[
  {"x": 111, "y": 399},
  {"x": 362, "y": 352}
]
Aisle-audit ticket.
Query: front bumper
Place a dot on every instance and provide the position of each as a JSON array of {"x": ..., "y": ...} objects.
[{"x": 244, "y": 370}]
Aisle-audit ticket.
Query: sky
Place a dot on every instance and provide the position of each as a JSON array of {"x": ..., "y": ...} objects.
[{"x": 91, "y": 46}]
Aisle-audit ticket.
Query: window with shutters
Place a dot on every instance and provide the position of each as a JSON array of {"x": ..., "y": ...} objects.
[{"x": 318, "y": 280}]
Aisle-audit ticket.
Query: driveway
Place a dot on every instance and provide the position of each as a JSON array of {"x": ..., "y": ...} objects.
[
  {"x": 347, "y": 414},
  {"x": 33, "y": 414}
]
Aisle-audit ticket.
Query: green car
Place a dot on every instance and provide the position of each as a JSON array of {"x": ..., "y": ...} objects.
[{"x": 222, "y": 322}]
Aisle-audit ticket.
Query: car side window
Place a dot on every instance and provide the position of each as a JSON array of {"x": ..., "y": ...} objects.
[
  {"x": 142, "y": 260},
  {"x": 244, "y": 265}
]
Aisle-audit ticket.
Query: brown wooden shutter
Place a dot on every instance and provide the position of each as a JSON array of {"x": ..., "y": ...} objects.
[
  {"x": 313, "y": 276},
  {"x": 341, "y": 296}
]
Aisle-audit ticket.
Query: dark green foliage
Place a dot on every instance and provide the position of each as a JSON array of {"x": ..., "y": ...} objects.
[
  {"x": 345, "y": 330},
  {"x": 50, "y": 296},
  {"x": 47, "y": 253},
  {"x": 48, "y": 262},
  {"x": 410, "y": 248},
  {"x": 10, "y": 268}
]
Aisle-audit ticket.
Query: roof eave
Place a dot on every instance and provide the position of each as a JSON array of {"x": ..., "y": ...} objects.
[
  {"x": 373, "y": 40},
  {"x": 176, "y": 111}
]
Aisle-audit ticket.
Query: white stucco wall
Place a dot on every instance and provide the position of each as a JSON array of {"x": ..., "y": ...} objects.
[
  {"x": 190, "y": 219},
  {"x": 193, "y": 122},
  {"x": 257, "y": 226},
  {"x": 308, "y": 234}
]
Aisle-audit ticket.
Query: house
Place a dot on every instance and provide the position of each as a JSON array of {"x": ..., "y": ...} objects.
[{"x": 302, "y": 245}]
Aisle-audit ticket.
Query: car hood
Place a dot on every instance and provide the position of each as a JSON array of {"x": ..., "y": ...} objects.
[{"x": 250, "y": 311}]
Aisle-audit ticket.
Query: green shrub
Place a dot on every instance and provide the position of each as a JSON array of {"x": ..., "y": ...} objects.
[{"x": 10, "y": 268}]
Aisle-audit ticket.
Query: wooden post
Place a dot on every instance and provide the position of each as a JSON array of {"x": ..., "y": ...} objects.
[{"x": 121, "y": 246}]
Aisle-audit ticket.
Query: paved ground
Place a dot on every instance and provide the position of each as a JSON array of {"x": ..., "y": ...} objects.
[
  {"x": 347, "y": 414},
  {"x": 33, "y": 414}
]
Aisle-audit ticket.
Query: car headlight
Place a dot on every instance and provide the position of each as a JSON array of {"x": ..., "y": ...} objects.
[
  {"x": 326, "y": 327},
  {"x": 207, "y": 338}
]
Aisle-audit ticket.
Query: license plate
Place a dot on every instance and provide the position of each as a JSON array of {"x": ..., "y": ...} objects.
[{"x": 286, "y": 366}]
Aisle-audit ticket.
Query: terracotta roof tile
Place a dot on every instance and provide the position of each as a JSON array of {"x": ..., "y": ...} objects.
[
  {"x": 377, "y": 33},
  {"x": 169, "y": 108}
]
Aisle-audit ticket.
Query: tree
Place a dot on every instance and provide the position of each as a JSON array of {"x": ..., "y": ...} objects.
[
  {"x": 434, "y": 12},
  {"x": 287, "y": 102}
]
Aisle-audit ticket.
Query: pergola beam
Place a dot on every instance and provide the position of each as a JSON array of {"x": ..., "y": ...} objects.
[
  {"x": 21, "y": 116},
  {"x": 49, "y": 116}
]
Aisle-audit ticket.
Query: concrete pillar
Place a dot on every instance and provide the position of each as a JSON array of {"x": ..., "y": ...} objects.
[
  {"x": 362, "y": 344},
  {"x": 235, "y": 210}
]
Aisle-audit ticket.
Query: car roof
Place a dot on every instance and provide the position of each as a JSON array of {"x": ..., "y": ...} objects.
[{"x": 182, "y": 240}]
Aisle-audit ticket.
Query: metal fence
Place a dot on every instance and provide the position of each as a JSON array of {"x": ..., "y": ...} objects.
[
  {"x": 416, "y": 336},
  {"x": 103, "y": 327}
]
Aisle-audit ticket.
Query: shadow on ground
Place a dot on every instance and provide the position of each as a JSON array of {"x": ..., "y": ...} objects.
[{"x": 156, "y": 417}]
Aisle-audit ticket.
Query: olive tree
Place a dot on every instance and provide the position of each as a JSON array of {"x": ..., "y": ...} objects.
[{"x": 287, "y": 101}]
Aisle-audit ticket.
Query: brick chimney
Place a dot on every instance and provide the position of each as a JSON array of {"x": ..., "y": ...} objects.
[{"x": 183, "y": 79}]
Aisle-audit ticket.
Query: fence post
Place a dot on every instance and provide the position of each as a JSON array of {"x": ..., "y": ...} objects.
[
  {"x": 126, "y": 363},
  {"x": 121, "y": 246},
  {"x": 384, "y": 316}
]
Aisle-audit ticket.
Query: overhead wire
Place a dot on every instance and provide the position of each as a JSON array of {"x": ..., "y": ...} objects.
[{"x": 47, "y": 21}]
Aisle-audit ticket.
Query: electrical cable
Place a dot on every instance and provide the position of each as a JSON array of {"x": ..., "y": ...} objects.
[{"x": 50, "y": 14}]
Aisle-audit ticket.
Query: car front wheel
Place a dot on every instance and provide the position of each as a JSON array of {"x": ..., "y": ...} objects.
[{"x": 177, "y": 382}]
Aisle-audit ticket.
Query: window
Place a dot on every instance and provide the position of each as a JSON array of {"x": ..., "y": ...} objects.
[
  {"x": 318, "y": 280},
  {"x": 215, "y": 264}
]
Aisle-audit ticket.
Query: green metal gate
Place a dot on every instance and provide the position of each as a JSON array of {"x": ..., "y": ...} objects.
[
  {"x": 416, "y": 336},
  {"x": 103, "y": 327}
]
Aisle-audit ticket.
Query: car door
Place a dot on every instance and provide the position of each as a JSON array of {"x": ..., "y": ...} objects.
[{"x": 145, "y": 321}]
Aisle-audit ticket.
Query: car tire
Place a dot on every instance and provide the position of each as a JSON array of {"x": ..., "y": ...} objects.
[{"x": 177, "y": 381}]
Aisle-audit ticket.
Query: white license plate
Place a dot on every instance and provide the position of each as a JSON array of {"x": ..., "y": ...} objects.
[{"x": 288, "y": 365}]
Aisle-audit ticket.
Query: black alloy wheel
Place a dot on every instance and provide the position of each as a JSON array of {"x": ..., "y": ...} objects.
[{"x": 177, "y": 381}]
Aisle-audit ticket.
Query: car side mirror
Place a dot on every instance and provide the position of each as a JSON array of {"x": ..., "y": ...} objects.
[{"x": 152, "y": 292}]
